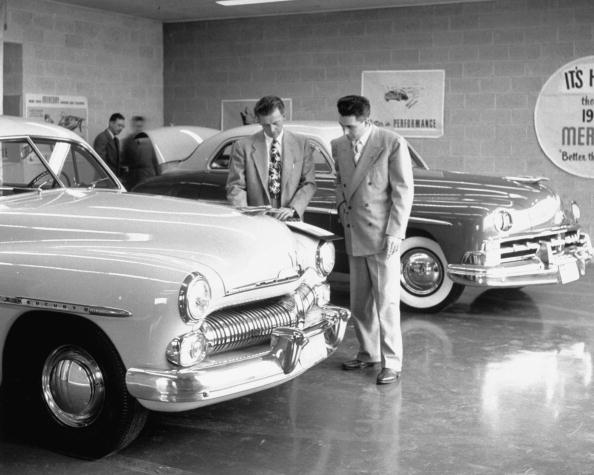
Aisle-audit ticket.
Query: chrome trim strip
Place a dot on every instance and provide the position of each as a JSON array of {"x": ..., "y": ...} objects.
[
  {"x": 316, "y": 209},
  {"x": 263, "y": 284},
  {"x": 66, "y": 307},
  {"x": 413, "y": 219}
]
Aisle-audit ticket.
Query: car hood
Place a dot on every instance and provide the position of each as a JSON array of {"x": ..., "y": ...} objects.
[
  {"x": 241, "y": 250},
  {"x": 530, "y": 200}
]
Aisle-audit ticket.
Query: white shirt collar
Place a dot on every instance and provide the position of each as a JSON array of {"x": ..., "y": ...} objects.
[
  {"x": 270, "y": 139},
  {"x": 365, "y": 137}
]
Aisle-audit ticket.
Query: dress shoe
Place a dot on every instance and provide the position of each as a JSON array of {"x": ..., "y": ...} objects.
[
  {"x": 357, "y": 364},
  {"x": 388, "y": 376}
]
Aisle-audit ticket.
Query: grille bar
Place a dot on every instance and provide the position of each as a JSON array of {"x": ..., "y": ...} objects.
[
  {"x": 252, "y": 324},
  {"x": 527, "y": 247}
]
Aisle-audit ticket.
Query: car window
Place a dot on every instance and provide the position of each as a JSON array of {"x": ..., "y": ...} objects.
[
  {"x": 222, "y": 157},
  {"x": 321, "y": 160},
  {"x": 75, "y": 166},
  {"x": 22, "y": 167}
]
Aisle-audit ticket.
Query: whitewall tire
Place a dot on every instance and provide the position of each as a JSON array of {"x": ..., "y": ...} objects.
[{"x": 425, "y": 285}]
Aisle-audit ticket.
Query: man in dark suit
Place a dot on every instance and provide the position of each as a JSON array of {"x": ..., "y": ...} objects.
[
  {"x": 374, "y": 194},
  {"x": 138, "y": 154},
  {"x": 107, "y": 144},
  {"x": 272, "y": 167}
]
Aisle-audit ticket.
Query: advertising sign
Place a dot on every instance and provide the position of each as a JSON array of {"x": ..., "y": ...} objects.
[
  {"x": 70, "y": 112},
  {"x": 564, "y": 117},
  {"x": 409, "y": 101},
  {"x": 237, "y": 112}
]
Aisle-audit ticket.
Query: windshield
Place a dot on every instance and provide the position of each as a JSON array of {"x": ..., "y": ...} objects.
[{"x": 22, "y": 169}]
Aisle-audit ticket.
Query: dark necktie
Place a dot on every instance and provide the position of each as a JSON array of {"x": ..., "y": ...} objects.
[
  {"x": 274, "y": 170},
  {"x": 116, "y": 142}
]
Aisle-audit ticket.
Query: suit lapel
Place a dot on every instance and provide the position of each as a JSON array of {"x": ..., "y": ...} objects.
[
  {"x": 290, "y": 150},
  {"x": 260, "y": 158},
  {"x": 369, "y": 155}
]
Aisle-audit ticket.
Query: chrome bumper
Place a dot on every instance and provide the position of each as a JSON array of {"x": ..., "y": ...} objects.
[
  {"x": 558, "y": 270},
  {"x": 233, "y": 374}
]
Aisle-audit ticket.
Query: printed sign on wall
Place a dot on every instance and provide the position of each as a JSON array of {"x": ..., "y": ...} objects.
[
  {"x": 409, "y": 101},
  {"x": 237, "y": 112},
  {"x": 70, "y": 112},
  {"x": 564, "y": 117}
]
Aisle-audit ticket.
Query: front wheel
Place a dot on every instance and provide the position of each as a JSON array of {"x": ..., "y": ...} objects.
[
  {"x": 424, "y": 283},
  {"x": 78, "y": 400}
]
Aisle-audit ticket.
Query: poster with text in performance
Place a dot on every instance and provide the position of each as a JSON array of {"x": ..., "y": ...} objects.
[
  {"x": 564, "y": 117},
  {"x": 411, "y": 102},
  {"x": 70, "y": 112}
]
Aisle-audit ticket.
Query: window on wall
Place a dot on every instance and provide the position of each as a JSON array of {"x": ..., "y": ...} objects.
[{"x": 13, "y": 79}]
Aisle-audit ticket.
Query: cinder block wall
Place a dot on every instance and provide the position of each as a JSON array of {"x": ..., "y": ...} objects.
[
  {"x": 116, "y": 61},
  {"x": 497, "y": 55}
]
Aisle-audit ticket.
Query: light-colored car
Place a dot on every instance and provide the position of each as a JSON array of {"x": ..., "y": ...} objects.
[
  {"x": 113, "y": 302},
  {"x": 176, "y": 143},
  {"x": 464, "y": 230}
]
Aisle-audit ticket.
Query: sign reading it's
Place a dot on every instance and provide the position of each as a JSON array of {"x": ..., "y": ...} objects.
[{"x": 564, "y": 117}]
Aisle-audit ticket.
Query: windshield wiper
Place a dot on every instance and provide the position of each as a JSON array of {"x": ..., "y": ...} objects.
[{"x": 24, "y": 188}]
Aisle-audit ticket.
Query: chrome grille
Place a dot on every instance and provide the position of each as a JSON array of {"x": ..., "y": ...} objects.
[
  {"x": 527, "y": 247},
  {"x": 252, "y": 324}
]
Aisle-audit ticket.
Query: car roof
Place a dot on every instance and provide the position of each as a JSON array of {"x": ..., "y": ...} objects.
[
  {"x": 17, "y": 126},
  {"x": 177, "y": 142}
]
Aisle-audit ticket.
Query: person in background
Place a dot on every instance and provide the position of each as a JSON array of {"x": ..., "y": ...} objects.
[
  {"x": 138, "y": 154},
  {"x": 374, "y": 195},
  {"x": 272, "y": 167},
  {"x": 107, "y": 144}
]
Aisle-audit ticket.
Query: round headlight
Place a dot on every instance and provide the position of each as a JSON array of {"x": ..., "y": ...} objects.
[
  {"x": 575, "y": 211},
  {"x": 194, "y": 298},
  {"x": 503, "y": 221},
  {"x": 325, "y": 257}
]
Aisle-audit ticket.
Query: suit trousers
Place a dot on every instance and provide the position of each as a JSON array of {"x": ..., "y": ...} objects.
[{"x": 375, "y": 306}]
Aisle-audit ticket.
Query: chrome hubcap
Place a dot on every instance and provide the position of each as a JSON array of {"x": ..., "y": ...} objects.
[
  {"x": 73, "y": 386},
  {"x": 422, "y": 272}
]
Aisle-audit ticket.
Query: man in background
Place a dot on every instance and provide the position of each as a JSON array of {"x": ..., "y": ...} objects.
[
  {"x": 107, "y": 144},
  {"x": 138, "y": 155}
]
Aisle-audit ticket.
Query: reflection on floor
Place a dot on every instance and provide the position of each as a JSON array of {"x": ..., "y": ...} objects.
[{"x": 501, "y": 382}]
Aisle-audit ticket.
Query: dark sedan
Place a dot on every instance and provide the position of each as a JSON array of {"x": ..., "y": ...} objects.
[{"x": 464, "y": 229}]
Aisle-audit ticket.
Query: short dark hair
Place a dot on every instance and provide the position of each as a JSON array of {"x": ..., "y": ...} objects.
[
  {"x": 137, "y": 118},
  {"x": 354, "y": 105},
  {"x": 116, "y": 116},
  {"x": 267, "y": 104}
]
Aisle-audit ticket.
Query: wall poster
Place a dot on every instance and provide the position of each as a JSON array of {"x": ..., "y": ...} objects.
[
  {"x": 237, "y": 112},
  {"x": 411, "y": 102},
  {"x": 70, "y": 112},
  {"x": 564, "y": 117}
]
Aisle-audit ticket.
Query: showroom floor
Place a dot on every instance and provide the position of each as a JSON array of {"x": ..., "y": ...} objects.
[{"x": 499, "y": 383}]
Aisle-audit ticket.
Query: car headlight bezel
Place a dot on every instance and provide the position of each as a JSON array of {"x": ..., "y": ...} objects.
[
  {"x": 195, "y": 296},
  {"x": 325, "y": 257}
]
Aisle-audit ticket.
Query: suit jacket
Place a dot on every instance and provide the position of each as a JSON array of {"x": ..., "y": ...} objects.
[
  {"x": 374, "y": 198},
  {"x": 247, "y": 183},
  {"x": 105, "y": 147}
]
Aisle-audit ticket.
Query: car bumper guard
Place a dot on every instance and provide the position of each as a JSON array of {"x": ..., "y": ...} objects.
[{"x": 229, "y": 375}]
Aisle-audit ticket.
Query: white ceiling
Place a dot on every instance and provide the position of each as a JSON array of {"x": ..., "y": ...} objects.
[{"x": 187, "y": 10}]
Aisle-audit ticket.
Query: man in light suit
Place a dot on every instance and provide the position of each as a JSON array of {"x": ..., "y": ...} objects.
[
  {"x": 107, "y": 144},
  {"x": 272, "y": 167},
  {"x": 374, "y": 194}
]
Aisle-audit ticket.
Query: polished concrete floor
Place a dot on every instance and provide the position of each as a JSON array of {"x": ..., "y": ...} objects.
[{"x": 499, "y": 383}]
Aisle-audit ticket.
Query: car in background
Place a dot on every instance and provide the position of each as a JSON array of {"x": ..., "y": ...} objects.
[
  {"x": 113, "y": 303},
  {"x": 464, "y": 230},
  {"x": 174, "y": 144}
]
